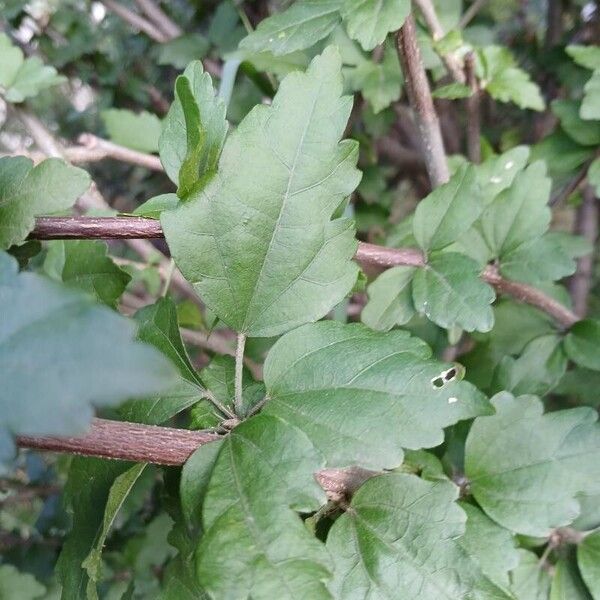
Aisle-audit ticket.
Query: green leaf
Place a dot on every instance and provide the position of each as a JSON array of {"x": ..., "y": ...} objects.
[
  {"x": 590, "y": 106},
  {"x": 582, "y": 385},
  {"x": 594, "y": 175},
  {"x": 195, "y": 477},
  {"x": 369, "y": 21},
  {"x": 390, "y": 299},
  {"x": 181, "y": 50},
  {"x": 536, "y": 371},
  {"x": 529, "y": 581},
  {"x": 299, "y": 27},
  {"x": 11, "y": 59},
  {"x": 263, "y": 475},
  {"x": 258, "y": 242},
  {"x": 582, "y": 344},
  {"x": 567, "y": 111},
  {"x": 560, "y": 153},
  {"x": 397, "y": 395},
  {"x": 27, "y": 192},
  {"x": 506, "y": 82},
  {"x": 449, "y": 211},
  {"x": 85, "y": 264},
  {"x": 585, "y": 56},
  {"x": 567, "y": 583},
  {"x": 398, "y": 540},
  {"x": 138, "y": 131},
  {"x": 380, "y": 83},
  {"x": 194, "y": 130},
  {"x": 88, "y": 488},
  {"x": 61, "y": 354},
  {"x": 588, "y": 559},
  {"x": 520, "y": 213},
  {"x": 117, "y": 494},
  {"x": 450, "y": 292},
  {"x": 15, "y": 585},
  {"x": 526, "y": 468},
  {"x": 158, "y": 325},
  {"x": 489, "y": 545},
  {"x": 153, "y": 207},
  {"x": 453, "y": 91},
  {"x": 20, "y": 77},
  {"x": 538, "y": 260}
]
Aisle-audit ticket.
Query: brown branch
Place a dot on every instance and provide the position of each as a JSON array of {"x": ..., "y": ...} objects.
[
  {"x": 126, "y": 441},
  {"x": 586, "y": 226},
  {"x": 90, "y": 228},
  {"x": 421, "y": 101},
  {"x": 118, "y": 440},
  {"x": 136, "y": 21},
  {"x": 367, "y": 254},
  {"x": 473, "y": 104},
  {"x": 450, "y": 60},
  {"x": 159, "y": 18}
]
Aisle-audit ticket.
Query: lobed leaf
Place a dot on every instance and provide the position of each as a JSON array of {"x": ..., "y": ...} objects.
[
  {"x": 138, "y": 131},
  {"x": 262, "y": 476},
  {"x": 85, "y": 264},
  {"x": 398, "y": 540},
  {"x": 194, "y": 130},
  {"x": 20, "y": 77},
  {"x": 299, "y": 27},
  {"x": 361, "y": 396},
  {"x": 369, "y": 21},
  {"x": 390, "y": 299},
  {"x": 27, "y": 192},
  {"x": 526, "y": 468},
  {"x": 451, "y": 293},
  {"x": 258, "y": 242}
]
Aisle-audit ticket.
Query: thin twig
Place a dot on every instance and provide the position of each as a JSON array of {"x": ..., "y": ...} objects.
[
  {"x": 367, "y": 254},
  {"x": 94, "y": 148},
  {"x": 572, "y": 185},
  {"x": 218, "y": 405},
  {"x": 450, "y": 60},
  {"x": 421, "y": 101},
  {"x": 586, "y": 226},
  {"x": 136, "y": 21},
  {"x": 471, "y": 13},
  {"x": 239, "y": 374},
  {"x": 160, "y": 18},
  {"x": 554, "y": 27},
  {"x": 473, "y": 104}
]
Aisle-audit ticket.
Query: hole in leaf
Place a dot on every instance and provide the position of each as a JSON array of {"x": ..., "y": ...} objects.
[
  {"x": 437, "y": 382},
  {"x": 450, "y": 374}
]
